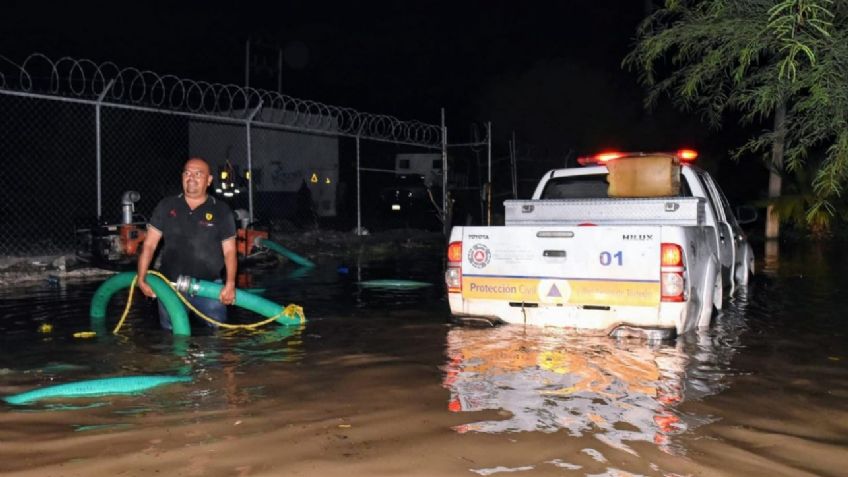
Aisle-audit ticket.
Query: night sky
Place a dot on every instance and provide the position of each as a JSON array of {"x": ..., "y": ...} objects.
[
  {"x": 402, "y": 58},
  {"x": 550, "y": 71}
]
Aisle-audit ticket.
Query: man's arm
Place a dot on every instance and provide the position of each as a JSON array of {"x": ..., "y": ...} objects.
[
  {"x": 148, "y": 247},
  {"x": 228, "y": 293}
]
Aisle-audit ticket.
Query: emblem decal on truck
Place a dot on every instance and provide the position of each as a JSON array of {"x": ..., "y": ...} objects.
[
  {"x": 555, "y": 291},
  {"x": 479, "y": 255}
]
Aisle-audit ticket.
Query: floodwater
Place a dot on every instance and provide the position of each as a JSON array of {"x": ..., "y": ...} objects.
[{"x": 378, "y": 383}]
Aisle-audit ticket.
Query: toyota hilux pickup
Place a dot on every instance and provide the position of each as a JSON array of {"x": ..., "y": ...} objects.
[{"x": 631, "y": 244}]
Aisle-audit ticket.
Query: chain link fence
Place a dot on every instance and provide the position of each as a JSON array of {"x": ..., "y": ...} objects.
[
  {"x": 517, "y": 171},
  {"x": 48, "y": 178},
  {"x": 76, "y": 135}
]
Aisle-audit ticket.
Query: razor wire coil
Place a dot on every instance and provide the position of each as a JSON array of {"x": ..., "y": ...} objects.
[{"x": 86, "y": 79}]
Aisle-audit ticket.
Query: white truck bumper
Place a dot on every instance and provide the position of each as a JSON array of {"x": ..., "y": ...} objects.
[{"x": 587, "y": 319}]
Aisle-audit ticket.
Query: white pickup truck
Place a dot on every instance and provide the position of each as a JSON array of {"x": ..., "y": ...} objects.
[{"x": 603, "y": 253}]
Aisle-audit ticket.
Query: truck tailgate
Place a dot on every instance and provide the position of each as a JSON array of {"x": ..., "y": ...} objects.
[
  {"x": 556, "y": 266},
  {"x": 683, "y": 211}
]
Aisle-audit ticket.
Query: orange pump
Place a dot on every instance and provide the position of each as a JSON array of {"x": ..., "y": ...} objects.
[
  {"x": 132, "y": 237},
  {"x": 246, "y": 239}
]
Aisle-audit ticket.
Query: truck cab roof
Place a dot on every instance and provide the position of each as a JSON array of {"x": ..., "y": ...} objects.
[{"x": 589, "y": 183}]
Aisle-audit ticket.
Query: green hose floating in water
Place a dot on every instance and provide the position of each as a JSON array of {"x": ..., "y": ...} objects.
[
  {"x": 168, "y": 297},
  {"x": 171, "y": 301},
  {"x": 394, "y": 284},
  {"x": 249, "y": 301},
  {"x": 302, "y": 261},
  {"x": 96, "y": 387}
]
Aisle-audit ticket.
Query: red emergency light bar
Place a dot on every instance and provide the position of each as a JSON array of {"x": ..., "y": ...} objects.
[{"x": 684, "y": 155}]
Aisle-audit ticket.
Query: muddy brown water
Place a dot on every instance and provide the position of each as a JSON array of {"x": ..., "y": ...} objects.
[{"x": 378, "y": 383}]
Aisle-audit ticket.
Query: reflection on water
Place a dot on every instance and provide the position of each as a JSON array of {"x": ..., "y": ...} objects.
[
  {"x": 548, "y": 381},
  {"x": 213, "y": 362},
  {"x": 545, "y": 379},
  {"x": 362, "y": 387},
  {"x": 34, "y": 357}
]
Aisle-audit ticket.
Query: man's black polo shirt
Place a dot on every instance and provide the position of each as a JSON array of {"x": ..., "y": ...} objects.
[{"x": 193, "y": 237}]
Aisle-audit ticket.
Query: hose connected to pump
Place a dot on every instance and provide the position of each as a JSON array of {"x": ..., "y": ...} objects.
[{"x": 290, "y": 311}]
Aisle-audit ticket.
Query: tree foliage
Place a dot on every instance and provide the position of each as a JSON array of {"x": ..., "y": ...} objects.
[{"x": 749, "y": 57}]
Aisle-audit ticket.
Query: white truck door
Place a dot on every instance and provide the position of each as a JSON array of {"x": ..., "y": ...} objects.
[
  {"x": 726, "y": 235},
  {"x": 740, "y": 243}
]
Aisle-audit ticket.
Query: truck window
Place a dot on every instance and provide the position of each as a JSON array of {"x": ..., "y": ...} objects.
[
  {"x": 587, "y": 187},
  {"x": 725, "y": 204},
  {"x": 711, "y": 196},
  {"x": 576, "y": 187}
]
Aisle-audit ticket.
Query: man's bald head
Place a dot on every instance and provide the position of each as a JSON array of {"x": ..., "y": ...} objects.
[
  {"x": 197, "y": 163},
  {"x": 197, "y": 178}
]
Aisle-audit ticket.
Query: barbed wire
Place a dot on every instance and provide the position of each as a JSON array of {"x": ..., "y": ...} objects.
[{"x": 86, "y": 79}]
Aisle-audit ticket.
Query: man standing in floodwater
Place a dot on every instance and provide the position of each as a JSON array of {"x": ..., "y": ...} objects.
[{"x": 200, "y": 241}]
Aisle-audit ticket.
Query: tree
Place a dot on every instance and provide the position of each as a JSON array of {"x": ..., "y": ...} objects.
[{"x": 783, "y": 61}]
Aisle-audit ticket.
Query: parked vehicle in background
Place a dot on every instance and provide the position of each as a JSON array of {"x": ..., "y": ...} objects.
[
  {"x": 407, "y": 202},
  {"x": 633, "y": 244}
]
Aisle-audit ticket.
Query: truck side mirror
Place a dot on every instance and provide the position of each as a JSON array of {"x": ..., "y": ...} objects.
[{"x": 745, "y": 214}]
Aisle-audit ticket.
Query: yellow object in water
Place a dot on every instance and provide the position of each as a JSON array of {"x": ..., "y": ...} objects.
[
  {"x": 45, "y": 328},
  {"x": 85, "y": 334},
  {"x": 294, "y": 311}
]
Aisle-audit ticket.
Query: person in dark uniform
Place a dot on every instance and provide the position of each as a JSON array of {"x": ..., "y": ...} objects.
[{"x": 199, "y": 235}]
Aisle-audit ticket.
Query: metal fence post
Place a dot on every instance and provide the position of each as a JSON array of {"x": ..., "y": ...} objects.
[
  {"x": 247, "y": 63},
  {"x": 97, "y": 145},
  {"x": 445, "y": 214},
  {"x": 513, "y": 168},
  {"x": 250, "y": 161},
  {"x": 490, "y": 193},
  {"x": 358, "y": 192}
]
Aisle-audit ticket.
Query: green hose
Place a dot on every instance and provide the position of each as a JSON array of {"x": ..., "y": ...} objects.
[
  {"x": 299, "y": 272},
  {"x": 292, "y": 315},
  {"x": 96, "y": 387},
  {"x": 302, "y": 261},
  {"x": 249, "y": 301},
  {"x": 167, "y": 296},
  {"x": 393, "y": 284}
]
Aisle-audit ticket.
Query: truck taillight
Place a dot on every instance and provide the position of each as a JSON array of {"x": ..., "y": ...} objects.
[
  {"x": 453, "y": 275},
  {"x": 455, "y": 252},
  {"x": 453, "y": 279},
  {"x": 672, "y": 286},
  {"x": 672, "y": 281},
  {"x": 671, "y": 255}
]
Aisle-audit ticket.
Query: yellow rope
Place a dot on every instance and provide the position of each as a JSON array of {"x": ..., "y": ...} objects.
[
  {"x": 126, "y": 308},
  {"x": 290, "y": 310}
]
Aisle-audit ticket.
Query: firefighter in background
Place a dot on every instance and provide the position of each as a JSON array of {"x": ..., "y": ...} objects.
[
  {"x": 228, "y": 186},
  {"x": 199, "y": 241}
]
